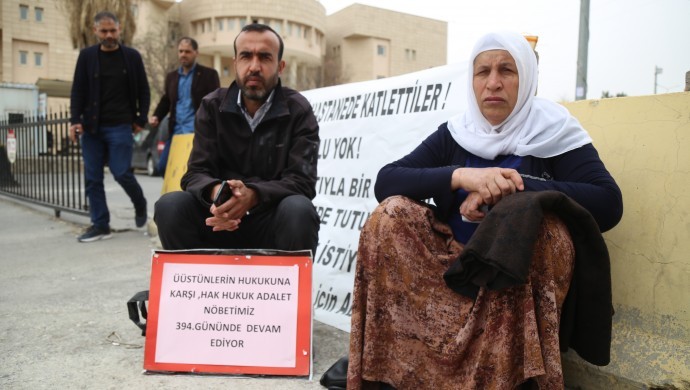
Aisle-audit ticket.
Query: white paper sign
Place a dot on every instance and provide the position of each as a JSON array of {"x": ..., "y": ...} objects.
[
  {"x": 211, "y": 316},
  {"x": 233, "y": 313}
]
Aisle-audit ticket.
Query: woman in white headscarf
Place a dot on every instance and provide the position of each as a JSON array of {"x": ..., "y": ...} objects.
[{"x": 409, "y": 329}]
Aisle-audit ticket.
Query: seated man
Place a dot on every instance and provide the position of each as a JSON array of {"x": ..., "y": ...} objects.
[{"x": 260, "y": 138}]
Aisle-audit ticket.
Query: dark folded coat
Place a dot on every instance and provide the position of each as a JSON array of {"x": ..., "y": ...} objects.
[{"x": 499, "y": 254}]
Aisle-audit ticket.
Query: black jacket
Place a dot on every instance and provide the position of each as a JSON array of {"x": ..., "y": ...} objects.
[
  {"x": 499, "y": 255},
  {"x": 204, "y": 81},
  {"x": 278, "y": 159},
  {"x": 86, "y": 88},
  {"x": 425, "y": 173}
]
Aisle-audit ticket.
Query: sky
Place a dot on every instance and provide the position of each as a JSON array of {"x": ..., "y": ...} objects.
[{"x": 628, "y": 39}]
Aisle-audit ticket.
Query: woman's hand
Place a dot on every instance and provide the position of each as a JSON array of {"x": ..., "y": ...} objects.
[
  {"x": 491, "y": 184},
  {"x": 229, "y": 215},
  {"x": 471, "y": 208}
]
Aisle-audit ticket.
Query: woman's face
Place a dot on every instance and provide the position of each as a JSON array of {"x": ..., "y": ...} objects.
[{"x": 495, "y": 83}]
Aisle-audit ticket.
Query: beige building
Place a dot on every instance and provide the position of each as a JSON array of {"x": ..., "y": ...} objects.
[
  {"x": 366, "y": 43},
  {"x": 357, "y": 43},
  {"x": 35, "y": 47},
  {"x": 301, "y": 24}
]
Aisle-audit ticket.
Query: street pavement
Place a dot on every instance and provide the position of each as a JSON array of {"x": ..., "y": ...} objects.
[{"x": 63, "y": 316}]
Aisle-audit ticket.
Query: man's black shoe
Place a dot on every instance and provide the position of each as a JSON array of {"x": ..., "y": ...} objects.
[
  {"x": 94, "y": 233},
  {"x": 140, "y": 216}
]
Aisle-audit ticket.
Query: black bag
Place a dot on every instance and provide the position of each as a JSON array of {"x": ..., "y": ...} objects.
[
  {"x": 335, "y": 378},
  {"x": 136, "y": 305}
]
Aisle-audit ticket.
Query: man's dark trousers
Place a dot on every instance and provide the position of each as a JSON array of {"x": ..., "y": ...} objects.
[
  {"x": 292, "y": 225},
  {"x": 111, "y": 144}
]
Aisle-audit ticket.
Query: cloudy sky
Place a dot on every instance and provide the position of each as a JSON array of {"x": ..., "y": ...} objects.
[{"x": 628, "y": 38}]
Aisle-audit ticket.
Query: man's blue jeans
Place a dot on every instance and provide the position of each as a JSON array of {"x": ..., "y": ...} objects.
[
  {"x": 163, "y": 159},
  {"x": 111, "y": 144}
]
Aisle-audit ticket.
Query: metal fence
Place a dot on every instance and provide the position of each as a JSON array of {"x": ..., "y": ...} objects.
[{"x": 39, "y": 164}]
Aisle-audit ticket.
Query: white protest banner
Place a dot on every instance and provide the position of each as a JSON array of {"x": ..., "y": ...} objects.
[
  {"x": 230, "y": 313},
  {"x": 364, "y": 126}
]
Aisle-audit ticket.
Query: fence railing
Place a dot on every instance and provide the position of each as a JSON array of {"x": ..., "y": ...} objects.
[{"x": 39, "y": 164}]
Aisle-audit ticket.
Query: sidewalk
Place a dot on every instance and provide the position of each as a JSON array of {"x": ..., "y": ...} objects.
[{"x": 63, "y": 313}]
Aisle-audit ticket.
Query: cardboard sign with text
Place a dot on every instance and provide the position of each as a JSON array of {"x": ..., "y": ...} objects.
[{"x": 245, "y": 312}]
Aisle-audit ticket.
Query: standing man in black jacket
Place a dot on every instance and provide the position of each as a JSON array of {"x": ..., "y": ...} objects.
[
  {"x": 184, "y": 89},
  {"x": 109, "y": 101},
  {"x": 262, "y": 140}
]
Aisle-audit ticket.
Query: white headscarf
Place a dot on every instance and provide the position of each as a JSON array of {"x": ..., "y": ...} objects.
[{"x": 536, "y": 127}]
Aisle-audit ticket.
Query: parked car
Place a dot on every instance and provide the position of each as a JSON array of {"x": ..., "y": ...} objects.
[{"x": 148, "y": 146}]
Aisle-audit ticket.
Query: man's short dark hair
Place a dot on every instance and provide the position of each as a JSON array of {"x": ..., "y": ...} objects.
[
  {"x": 105, "y": 15},
  {"x": 258, "y": 27},
  {"x": 189, "y": 40}
]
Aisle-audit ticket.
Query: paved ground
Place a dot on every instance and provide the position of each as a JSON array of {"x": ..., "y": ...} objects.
[{"x": 63, "y": 314}]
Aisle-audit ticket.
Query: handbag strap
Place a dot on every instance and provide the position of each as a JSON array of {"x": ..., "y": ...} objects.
[{"x": 136, "y": 305}]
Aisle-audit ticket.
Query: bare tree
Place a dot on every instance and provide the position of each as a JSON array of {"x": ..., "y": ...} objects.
[
  {"x": 333, "y": 71},
  {"x": 81, "y": 13},
  {"x": 309, "y": 77},
  {"x": 158, "y": 51}
]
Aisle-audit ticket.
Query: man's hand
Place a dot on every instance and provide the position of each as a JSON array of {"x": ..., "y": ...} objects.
[
  {"x": 229, "y": 215},
  {"x": 136, "y": 128},
  {"x": 491, "y": 184},
  {"x": 153, "y": 121},
  {"x": 75, "y": 130}
]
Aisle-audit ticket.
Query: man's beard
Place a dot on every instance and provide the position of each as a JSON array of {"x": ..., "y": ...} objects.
[
  {"x": 109, "y": 43},
  {"x": 259, "y": 94}
]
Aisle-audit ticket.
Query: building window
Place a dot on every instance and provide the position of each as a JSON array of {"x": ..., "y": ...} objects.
[
  {"x": 220, "y": 24},
  {"x": 381, "y": 50},
  {"x": 23, "y": 12},
  {"x": 277, "y": 26},
  {"x": 231, "y": 24},
  {"x": 410, "y": 54},
  {"x": 174, "y": 33},
  {"x": 23, "y": 57},
  {"x": 38, "y": 59},
  {"x": 226, "y": 71},
  {"x": 243, "y": 22},
  {"x": 289, "y": 33},
  {"x": 13, "y": 117},
  {"x": 39, "y": 14}
]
